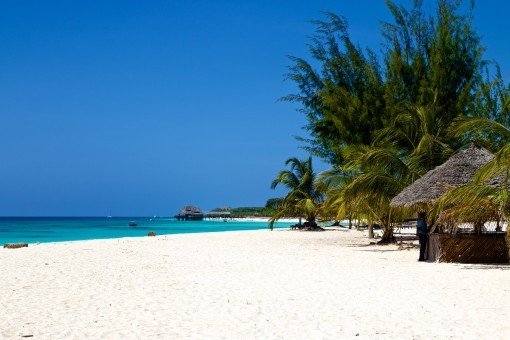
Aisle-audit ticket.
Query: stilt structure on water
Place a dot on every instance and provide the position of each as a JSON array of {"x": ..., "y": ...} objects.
[
  {"x": 190, "y": 213},
  {"x": 220, "y": 215}
]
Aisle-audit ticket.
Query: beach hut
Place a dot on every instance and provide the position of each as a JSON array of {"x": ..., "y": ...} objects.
[
  {"x": 456, "y": 171},
  {"x": 459, "y": 246},
  {"x": 190, "y": 213},
  {"x": 224, "y": 214}
]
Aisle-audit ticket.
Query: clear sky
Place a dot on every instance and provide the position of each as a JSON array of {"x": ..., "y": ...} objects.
[{"x": 140, "y": 107}]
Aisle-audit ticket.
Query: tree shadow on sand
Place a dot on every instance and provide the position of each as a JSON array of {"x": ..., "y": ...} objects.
[
  {"x": 380, "y": 250},
  {"x": 500, "y": 266},
  {"x": 371, "y": 247}
]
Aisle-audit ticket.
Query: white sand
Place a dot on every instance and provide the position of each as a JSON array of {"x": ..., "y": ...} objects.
[{"x": 255, "y": 284}]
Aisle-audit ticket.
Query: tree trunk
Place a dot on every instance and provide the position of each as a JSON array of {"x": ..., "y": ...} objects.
[
  {"x": 350, "y": 222},
  {"x": 387, "y": 236},
  {"x": 371, "y": 230}
]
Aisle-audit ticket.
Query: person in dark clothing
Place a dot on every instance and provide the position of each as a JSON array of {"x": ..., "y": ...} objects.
[{"x": 421, "y": 230}]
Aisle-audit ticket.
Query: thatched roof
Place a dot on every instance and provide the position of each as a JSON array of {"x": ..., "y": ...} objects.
[
  {"x": 189, "y": 210},
  {"x": 218, "y": 213},
  {"x": 458, "y": 170}
]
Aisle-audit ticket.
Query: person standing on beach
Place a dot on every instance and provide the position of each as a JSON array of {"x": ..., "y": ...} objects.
[{"x": 421, "y": 230}]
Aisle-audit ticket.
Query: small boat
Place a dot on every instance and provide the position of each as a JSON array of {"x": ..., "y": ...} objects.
[{"x": 133, "y": 223}]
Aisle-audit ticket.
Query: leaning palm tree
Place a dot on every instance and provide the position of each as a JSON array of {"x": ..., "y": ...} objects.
[
  {"x": 304, "y": 198},
  {"x": 382, "y": 174},
  {"x": 368, "y": 181},
  {"x": 334, "y": 181}
]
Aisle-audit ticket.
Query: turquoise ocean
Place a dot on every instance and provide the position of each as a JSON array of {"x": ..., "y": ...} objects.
[{"x": 58, "y": 229}]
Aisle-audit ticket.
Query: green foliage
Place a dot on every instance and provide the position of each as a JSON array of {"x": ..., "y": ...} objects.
[
  {"x": 303, "y": 198},
  {"x": 251, "y": 212},
  {"x": 344, "y": 102},
  {"x": 488, "y": 123},
  {"x": 430, "y": 70},
  {"x": 242, "y": 212},
  {"x": 490, "y": 187},
  {"x": 383, "y": 121},
  {"x": 364, "y": 187},
  {"x": 432, "y": 61},
  {"x": 462, "y": 205}
]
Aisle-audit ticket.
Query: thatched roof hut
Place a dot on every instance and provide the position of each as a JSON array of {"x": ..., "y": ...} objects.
[
  {"x": 218, "y": 214},
  {"x": 456, "y": 171},
  {"x": 190, "y": 213}
]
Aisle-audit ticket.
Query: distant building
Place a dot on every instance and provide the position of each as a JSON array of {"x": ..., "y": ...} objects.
[
  {"x": 217, "y": 214},
  {"x": 190, "y": 213}
]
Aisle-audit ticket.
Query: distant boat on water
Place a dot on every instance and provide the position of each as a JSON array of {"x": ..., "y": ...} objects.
[{"x": 133, "y": 223}]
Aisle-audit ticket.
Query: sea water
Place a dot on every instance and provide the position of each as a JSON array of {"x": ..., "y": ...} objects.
[{"x": 57, "y": 229}]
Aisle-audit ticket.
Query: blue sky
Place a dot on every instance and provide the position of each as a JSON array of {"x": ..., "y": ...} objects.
[{"x": 140, "y": 107}]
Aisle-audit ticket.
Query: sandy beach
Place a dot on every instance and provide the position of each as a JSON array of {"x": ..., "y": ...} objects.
[{"x": 252, "y": 284}]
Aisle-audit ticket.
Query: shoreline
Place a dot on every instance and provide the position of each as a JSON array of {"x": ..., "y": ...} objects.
[
  {"x": 75, "y": 230},
  {"x": 134, "y": 238}
]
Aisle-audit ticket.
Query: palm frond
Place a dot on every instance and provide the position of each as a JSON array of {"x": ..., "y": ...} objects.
[{"x": 477, "y": 126}]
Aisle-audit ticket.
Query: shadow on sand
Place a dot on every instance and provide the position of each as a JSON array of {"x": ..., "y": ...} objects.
[
  {"x": 500, "y": 266},
  {"x": 371, "y": 247}
]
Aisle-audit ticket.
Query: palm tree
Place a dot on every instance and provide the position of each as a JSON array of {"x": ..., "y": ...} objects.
[
  {"x": 487, "y": 130},
  {"x": 333, "y": 181},
  {"x": 304, "y": 198},
  {"x": 415, "y": 142},
  {"x": 492, "y": 182},
  {"x": 422, "y": 137},
  {"x": 462, "y": 204},
  {"x": 381, "y": 175},
  {"x": 365, "y": 185}
]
